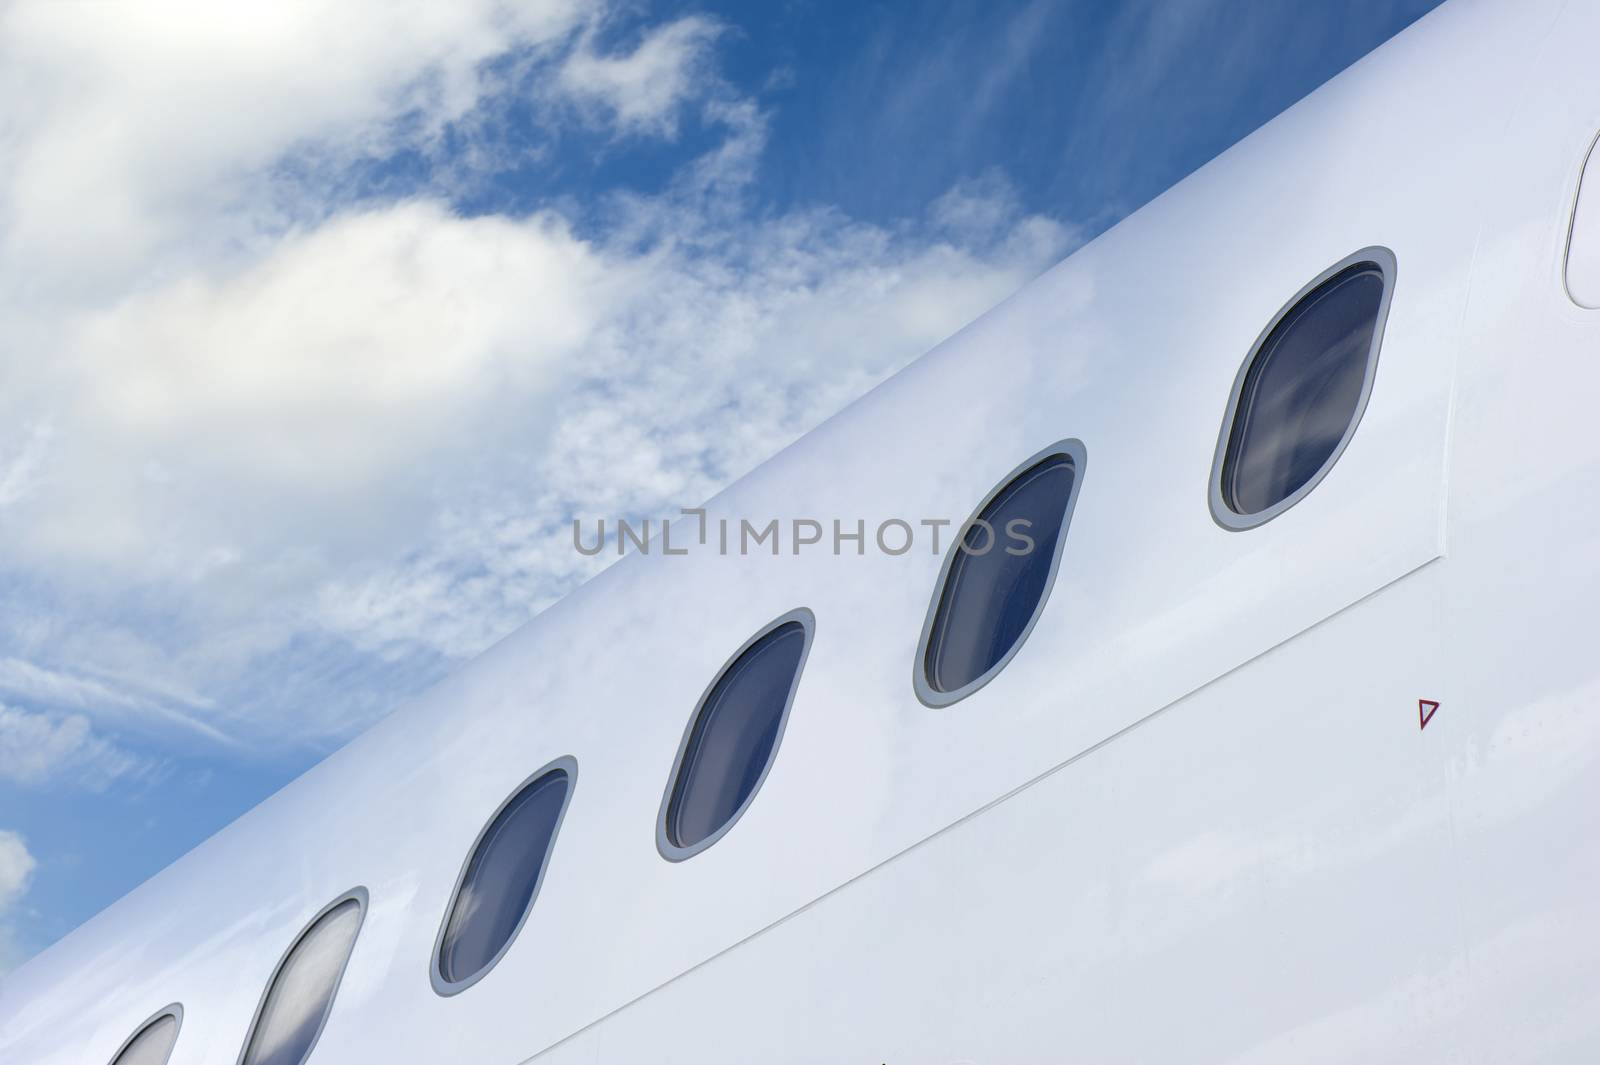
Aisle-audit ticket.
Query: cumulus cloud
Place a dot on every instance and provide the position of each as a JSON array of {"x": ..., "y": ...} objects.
[
  {"x": 283, "y": 451},
  {"x": 125, "y": 123},
  {"x": 346, "y": 358}
]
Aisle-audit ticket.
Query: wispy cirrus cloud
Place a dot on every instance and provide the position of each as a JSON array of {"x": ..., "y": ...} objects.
[
  {"x": 108, "y": 698},
  {"x": 39, "y": 748}
]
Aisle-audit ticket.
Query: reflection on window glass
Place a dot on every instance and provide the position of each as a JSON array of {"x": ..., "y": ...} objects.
[
  {"x": 153, "y": 1044},
  {"x": 999, "y": 575},
  {"x": 1303, "y": 391},
  {"x": 735, "y": 736},
  {"x": 301, "y": 996},
  {"x": 502, "y": 878}
]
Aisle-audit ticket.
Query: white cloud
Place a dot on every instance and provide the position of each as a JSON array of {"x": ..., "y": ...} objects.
[
  {"x": 16, "y": 871},
  {"x": 124, "y": 123},
  {"x": 643, "y": 90},
  {"x": 347, "y": 358},
  {"x": 114, "y": 698},
  {"x": 39, "y": 748}
]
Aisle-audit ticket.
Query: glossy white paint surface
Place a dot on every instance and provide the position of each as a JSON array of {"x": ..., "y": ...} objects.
[{"x": 1274, "y": 865}]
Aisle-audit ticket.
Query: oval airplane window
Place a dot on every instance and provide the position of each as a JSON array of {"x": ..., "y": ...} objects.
[
  {"x": 1583, "y": 241},
  {"x": 997, "y": 576},
  {"x": 300, "y": 995},
  {"x": 501, "y": 878},
  {"x": 152, "y": 1044},
  {"x": 733, "y": 737},
  {"x": 1301, "y": 392}
]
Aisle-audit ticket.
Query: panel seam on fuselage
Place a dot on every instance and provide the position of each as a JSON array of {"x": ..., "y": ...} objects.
[{"x": 979, "y": 811}]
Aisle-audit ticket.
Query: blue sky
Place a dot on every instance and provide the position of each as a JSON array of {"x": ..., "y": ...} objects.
[{"x": 320, "y": 329}]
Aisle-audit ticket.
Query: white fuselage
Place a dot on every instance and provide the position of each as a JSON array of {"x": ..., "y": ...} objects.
[{"x": 1194, "y": 820}]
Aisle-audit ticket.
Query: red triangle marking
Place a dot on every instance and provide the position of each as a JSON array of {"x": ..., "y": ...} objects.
[{"x": 1425, "y": 710}]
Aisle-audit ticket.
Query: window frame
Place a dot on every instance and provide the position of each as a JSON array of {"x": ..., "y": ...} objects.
[
  {"x": 173, "y": 1010},
  {"x": 1591, "y": 157},
  {"x": 1221, "y": 512},
  {"x": 360, "y": 897},
  {"x": 671, "y": 851},
  {"x": 445, "y": 987},
  {"x": 927, "y": 694}
]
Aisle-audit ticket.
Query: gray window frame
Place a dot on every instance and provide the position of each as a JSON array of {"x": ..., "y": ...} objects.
[
  {"x": 1590, "y": 158},
  {"x": 1224, "y": 515},
  {"x": 173, "y": 1010},
  {"x": 664, "y": 844},
  {"x": 446, "y": 988},
  {"x": 359, "y": 895},
  {"x": 927, "y": 694}
]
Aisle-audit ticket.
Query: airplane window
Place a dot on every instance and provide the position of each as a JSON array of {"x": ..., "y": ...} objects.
[
  {"x": 300, "y": 996},
  {"x": 152, "y": 1044},
  {"x": 1302, "y": 391},
  {"x": 997, "y": 576},
  {"x": 502, "y": 878},
  {"x": 733, "y": 737}
]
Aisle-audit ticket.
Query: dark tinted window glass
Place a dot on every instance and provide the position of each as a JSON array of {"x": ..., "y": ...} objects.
[
  {"x": 734, "y": 736},
  {"x": 502, "y": 878},
  {"x": 153, "y": 1044},
  {"x": 1302, "y": 391},
  {"x": 301, "y": 995},
  {"x": 996, "y": 583}
]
